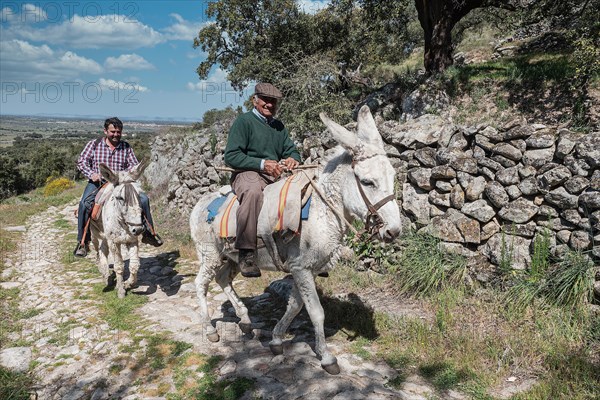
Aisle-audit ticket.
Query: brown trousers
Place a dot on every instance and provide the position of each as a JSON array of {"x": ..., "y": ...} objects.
[{"x": 248, "y": 186}]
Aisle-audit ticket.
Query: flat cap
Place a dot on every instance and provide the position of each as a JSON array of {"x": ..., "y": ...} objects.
[{"x": 268, "y": 90}]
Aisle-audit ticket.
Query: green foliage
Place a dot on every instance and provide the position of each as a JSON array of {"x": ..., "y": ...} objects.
[
  {"x": 423, "y": 267},
  {"x": 314, "y": 59},
  {"x": 214, "y": 116},
  {"x": 365, "y": 247},
  {"x": 11, "y": 181}
]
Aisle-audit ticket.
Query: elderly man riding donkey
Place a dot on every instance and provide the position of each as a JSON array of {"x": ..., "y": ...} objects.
[
  {"x": 112, "y": 211},
  {"x": 356, "y": 179}
]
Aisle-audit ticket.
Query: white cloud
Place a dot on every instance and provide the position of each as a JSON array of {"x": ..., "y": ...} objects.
[
  {"x": 29, "y": 13},
  {"x": 105, "y": 31},
  {"x": 217, "y": 81},
  {"x": 182, "y": 30},
  {"x": 312, "y": 7},
  {"x": 22, "y": 61},
  {"x": 127, "y": 61},
  {"x": 111, "y": 84}
]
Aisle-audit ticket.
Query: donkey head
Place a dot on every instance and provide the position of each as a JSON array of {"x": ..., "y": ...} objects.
[
  {"x": 370, "y": 194},
  {"x": 123, "y": 205}
]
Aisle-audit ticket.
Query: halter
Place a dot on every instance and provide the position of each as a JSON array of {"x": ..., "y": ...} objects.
[
  {"x": 373, "y": 221},
  {"x": 130, "y": 192}
]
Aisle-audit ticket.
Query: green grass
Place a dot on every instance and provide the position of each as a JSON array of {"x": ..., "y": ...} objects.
[
  {"x": 14, "y": 385},
  {"x": 422, "y": 267},
  {"x": 119, "y": 313},
  {"x": 15, "y": 211}
]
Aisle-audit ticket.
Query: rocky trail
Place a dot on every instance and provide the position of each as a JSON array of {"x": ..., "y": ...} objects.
[{"x": 74, "y": 352}]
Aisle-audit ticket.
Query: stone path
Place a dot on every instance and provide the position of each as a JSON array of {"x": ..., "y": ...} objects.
[{"x": 74, "y": 350}]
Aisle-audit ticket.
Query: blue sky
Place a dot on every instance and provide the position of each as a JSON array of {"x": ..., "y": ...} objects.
[{"x": 132, "y": 59}]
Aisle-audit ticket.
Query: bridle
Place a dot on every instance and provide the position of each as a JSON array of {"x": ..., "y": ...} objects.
[
  {"x": 128, "y": 196},
  {"x": 373, "y": 222}
]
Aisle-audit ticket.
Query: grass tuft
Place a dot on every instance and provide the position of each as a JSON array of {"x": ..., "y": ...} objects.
[
  {"x": 14, "y": 385},
  {"x": 424, "y": 268}
]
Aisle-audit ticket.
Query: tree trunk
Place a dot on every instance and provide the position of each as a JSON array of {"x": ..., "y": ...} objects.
[{"x": 437, "y": 18}]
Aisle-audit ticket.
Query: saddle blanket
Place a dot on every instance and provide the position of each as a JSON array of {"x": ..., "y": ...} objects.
[
  {"x": 99, "y": 201},
  {"x": 281, "y": 211}
]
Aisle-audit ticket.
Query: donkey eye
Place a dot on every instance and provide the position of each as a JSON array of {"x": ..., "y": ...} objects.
[
  {"x": 120, "y": 198},
  {"x": 367, "y": 182}
]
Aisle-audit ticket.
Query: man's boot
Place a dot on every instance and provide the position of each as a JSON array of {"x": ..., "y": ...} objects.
[
  {"x": 80, "y": 251},
  {"x": 247, "y": 263},
  {"x": 152, "y": 240}
]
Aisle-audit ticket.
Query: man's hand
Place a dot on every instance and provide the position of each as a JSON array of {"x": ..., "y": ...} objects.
[
  {"x": 289, "y": 163},
  {"x": 273, "y": 168},
  {"x": 96, "y": 177}
]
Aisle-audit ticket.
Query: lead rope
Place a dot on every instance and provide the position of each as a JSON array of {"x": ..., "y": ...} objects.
[{"x": 331, "y": 206}]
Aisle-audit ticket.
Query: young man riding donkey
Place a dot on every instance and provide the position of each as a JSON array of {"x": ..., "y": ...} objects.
[{"x": 117, "y": 155}]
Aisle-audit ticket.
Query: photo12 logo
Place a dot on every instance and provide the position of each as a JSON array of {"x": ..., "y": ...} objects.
[
  {"x": 54, "y": 92},
  {"x": 59, "y": 11}
]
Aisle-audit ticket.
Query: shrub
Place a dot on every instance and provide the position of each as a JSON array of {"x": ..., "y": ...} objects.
[{"x": 55, "y": 185}]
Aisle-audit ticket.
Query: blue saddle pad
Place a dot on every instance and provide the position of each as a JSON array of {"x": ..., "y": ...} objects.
[
  {"x": 305, "y": 209},
  {"x": 213, "y": 208}
]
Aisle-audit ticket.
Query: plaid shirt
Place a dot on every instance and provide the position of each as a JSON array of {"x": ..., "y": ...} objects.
[{"x": 119, "y": 159}]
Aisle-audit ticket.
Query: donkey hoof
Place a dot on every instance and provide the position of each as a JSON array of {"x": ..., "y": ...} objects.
[
  {"x": 276, "y": 349},
  {"x": 121, "y": 293},
  {"x": 213, "y": 337},
  {"x": 245, "y": 327},
  {"x": 333, "y": 369}
]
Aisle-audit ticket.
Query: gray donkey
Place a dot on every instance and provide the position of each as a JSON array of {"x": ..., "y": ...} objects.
[
  {"x": 119, "y": 225},
  {"x": 359, "y": 179}
]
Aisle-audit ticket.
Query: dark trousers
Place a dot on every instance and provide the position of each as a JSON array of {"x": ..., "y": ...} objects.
[
  {"x": 248, "y": 186},
  {"x": 87, "y": 202}
]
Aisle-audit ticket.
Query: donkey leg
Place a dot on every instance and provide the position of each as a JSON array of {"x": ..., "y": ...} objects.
[
  {"x": 209, "y": 263},
  {"x": 119, "y": 267},
  {"x": 305, "y": 282},
  {"x": 102, "y": 257},
  {"x": 293, "y": 308},
  {"x": 224, "y": 278},
  {"x": 134, "y": 265},
  {"x": 102, "y": 266}
]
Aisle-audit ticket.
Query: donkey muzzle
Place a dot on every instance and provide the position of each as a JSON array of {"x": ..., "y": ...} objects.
[{"x": 137, "y": 229}]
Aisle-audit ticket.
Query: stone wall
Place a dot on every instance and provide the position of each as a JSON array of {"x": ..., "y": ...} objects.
[
  {"x": 491, "y": 190},
  {"x": 477, "y": 188}
]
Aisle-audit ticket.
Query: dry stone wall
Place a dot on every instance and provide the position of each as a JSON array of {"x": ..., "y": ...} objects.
[
  {"x": 491, "y": 191},
  {"x": 482, "y": 190}
]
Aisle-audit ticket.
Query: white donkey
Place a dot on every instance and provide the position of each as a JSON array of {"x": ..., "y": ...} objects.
[
  {"x": 119, "y": 224},
  {"x": 358, "y": 177}
]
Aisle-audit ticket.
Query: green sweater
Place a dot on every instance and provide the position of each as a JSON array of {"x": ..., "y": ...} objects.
[{"x": 252, "y": 140}]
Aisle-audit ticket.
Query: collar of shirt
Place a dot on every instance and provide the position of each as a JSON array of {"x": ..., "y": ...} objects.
[
  {"x": 262, "y": 117},
  {"x": 117, "y": 147}
]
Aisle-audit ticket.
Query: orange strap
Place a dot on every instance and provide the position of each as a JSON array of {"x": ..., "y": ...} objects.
[
  {"x": 224, "y": 232},
  {"x": 85, "y": 230},
  {"x": 282, "y": 199}
]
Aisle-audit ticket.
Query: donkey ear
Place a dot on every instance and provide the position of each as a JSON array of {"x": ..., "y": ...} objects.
[
  {"x": 367, "y": 130},
  {"x": 343, "y": 136},
  {"x": 138, "y": 170},
  {"x": 108, "y": 174}
]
